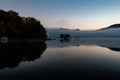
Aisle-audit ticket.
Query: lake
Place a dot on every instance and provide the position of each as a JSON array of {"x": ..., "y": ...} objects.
[{"x": 83, "y": 58}]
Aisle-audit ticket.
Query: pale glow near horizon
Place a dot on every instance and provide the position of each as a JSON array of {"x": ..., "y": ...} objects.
[{"x": 70, "y": 14}]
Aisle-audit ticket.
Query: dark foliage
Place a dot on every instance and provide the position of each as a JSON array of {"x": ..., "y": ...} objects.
[
  {"x": 65, "y": 36},
  {"x": 14, "y": 26},
  {"x": 13, "y": 53}
]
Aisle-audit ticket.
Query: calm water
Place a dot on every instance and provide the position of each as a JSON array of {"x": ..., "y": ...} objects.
[{"x": 79, "y": 58}]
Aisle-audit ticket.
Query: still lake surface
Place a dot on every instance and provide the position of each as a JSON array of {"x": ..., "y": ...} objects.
[{"x": 83, "y": 58}]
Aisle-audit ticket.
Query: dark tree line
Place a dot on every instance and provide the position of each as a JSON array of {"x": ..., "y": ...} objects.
[
  {"x": 14, "y": 26},
  {"x": 65, "y": 36}
]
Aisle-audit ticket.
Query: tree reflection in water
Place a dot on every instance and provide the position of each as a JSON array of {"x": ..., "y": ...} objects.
[{"x": 12, "y": 53}]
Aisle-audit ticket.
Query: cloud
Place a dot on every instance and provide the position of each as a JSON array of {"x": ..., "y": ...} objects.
[{"x": 63, "y": 22}]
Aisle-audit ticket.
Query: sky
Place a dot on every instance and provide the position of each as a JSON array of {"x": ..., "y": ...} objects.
[{"x": 70, "y": 14}]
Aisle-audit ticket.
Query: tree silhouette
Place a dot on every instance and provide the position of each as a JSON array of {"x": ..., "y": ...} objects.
[
  {"x": 14, "y": 26},
  {"x": 65, "y": 36}
]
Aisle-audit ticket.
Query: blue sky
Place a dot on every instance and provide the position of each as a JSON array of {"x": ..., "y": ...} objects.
[{"x": 72, "y": 14}]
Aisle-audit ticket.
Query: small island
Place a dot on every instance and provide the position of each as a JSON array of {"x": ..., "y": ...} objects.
[
  {"x": 64, "y": 37},
  {"x": 14, "y": 26}
]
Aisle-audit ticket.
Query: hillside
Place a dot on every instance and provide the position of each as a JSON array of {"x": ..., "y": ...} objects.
[
  {"x": 109, "y": 32},
  {"x": 112, "y": 26}
]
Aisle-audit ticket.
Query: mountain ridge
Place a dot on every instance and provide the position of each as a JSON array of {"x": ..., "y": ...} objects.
[
  {"x": 112, "y": 26},
  {"x": 112, "y": 31}
]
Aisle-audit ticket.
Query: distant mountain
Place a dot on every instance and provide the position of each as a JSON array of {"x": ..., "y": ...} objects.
[
  {"x": 112, "y": 26},
  {"x": 112, "y": 31}
]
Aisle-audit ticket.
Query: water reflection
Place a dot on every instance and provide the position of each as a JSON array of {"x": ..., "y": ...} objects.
[
  {"x": 110, "y": 43},
  {"x": 64, "y": 40},
  {"x": 117, "y": 49},
  {"x": 79, "y": 58},
  {"x": 12, "y": 53}
]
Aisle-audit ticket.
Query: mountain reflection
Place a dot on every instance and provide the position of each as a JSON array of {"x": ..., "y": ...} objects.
[
  {"x": 12, "y": 53},
  {"x": 114, "y": 48},
  {"x": 110, "y": 43}
]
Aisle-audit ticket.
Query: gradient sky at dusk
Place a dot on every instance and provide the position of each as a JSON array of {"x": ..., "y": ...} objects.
[{"x": 72, "y": 14}]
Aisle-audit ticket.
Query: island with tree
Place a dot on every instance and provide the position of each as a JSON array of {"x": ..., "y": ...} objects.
[
  {"x": 14, "y": 26},
  {"x": 65, "y": 37}
]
